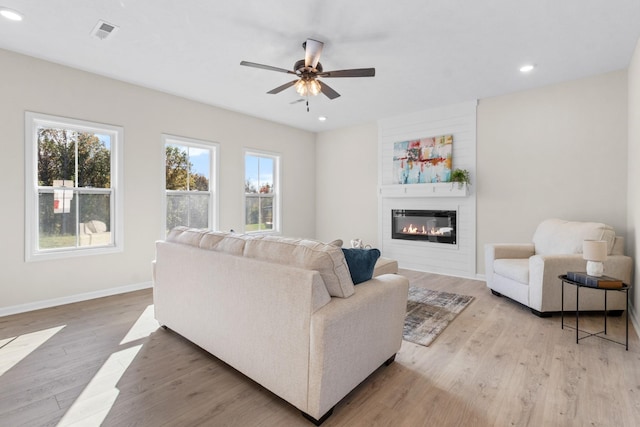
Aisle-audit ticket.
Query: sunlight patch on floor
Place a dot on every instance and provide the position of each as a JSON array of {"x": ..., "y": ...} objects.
[
  {"x": 14, "y": 349},
  {"x": 143, "y": 327},
  {"x": 96, "y": 400}
]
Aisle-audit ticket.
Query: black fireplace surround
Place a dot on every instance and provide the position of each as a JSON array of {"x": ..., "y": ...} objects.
[{"x": 427, "y": 225}]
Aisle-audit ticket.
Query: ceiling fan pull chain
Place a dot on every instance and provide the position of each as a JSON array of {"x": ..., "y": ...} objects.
[{"x": 307, "y": 104}]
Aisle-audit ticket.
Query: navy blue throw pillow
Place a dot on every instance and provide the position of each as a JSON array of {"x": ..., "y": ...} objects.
[{"x": 361, "y": 263}]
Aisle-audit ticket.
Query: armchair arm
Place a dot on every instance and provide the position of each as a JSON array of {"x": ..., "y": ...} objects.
[
  {"x": 619, "y": 266},
  {"x": 511, "y": 250},
  {"x": 494, "y": 251},
  {"x": 544, "y": 289}
]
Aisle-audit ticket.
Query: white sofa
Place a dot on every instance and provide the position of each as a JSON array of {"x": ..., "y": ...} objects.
[
  {"x": 282, "y": 311},
  {"x": 528, "y": 272}
]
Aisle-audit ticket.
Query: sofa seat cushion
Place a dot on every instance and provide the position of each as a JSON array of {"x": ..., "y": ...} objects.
[
  {"x": 514, "y": 269},
  {"x": 560, "y": 237},
  {"x": 326, "y": 259}
]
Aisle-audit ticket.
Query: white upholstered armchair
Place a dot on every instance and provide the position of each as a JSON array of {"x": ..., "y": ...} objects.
[{"x": 528, "y": 273}]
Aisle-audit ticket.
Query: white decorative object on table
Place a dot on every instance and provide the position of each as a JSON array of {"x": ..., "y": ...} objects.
[
  {"x": 595, "y": 252},
  {"x": 359, "y": 244}
]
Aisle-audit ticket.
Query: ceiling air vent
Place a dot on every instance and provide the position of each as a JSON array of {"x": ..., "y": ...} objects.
[{"x": 103, "y": 29}]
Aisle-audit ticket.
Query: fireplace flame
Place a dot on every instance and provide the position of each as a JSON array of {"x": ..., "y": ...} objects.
[
  {"x": 433, "y": 231},
  {"x": 410, "y": 229}
]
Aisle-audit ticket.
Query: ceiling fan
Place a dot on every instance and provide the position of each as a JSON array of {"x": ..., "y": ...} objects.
[{"x": 309, "y": 69}]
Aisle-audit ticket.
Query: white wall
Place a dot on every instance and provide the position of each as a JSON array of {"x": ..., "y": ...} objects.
[
  {"x": 633, "y": 198},
  {"x": 554, "y": 152},
  {"x": 347, "y": 184},
  {"x": 40, "y": 86}
]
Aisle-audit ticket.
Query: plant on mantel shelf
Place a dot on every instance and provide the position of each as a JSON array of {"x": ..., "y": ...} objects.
[{"x": 461, "y": 176}]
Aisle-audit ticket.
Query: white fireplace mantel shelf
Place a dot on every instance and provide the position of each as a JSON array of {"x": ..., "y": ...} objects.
[{"x": 439, "y": 189}]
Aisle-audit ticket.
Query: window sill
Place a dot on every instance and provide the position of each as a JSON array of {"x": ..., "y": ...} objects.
[{"x": 71, "y": 253}]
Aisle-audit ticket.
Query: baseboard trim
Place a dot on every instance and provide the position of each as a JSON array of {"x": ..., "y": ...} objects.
[
  {"x": 462, "y": 276},
  {"x": 633, "y": 314},
  {"x": 38, "y": 305}
]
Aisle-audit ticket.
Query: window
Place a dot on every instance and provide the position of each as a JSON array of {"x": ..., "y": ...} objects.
[
  {"x": 189, "y": 183},
  {"x": 74, "y": 200},
  {"x": 261, "y": 192}
]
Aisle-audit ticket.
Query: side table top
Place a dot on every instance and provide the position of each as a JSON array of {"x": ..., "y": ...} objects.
[{"x": 566, "y": 279}]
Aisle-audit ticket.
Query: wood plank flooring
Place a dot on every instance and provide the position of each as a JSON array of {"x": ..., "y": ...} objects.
[{"x": 496, "y": 364}]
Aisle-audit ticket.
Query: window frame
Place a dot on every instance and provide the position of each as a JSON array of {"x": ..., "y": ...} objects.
[
  {"x": 277, "y": 197},
  {"x": 214, "y": 167},
  {"x": 34, "y": 121}
]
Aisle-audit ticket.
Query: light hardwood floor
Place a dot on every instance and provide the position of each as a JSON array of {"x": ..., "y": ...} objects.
[{"x": 105, "y": 362}]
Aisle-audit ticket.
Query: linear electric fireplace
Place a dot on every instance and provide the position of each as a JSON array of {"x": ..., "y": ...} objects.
[{"x": 427, "y": 225}]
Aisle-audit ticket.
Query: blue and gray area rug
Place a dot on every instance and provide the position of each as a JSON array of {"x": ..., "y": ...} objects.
[{"x": 429, "y": 312}]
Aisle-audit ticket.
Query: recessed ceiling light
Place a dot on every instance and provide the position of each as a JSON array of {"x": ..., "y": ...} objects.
[
  {"x": 322, "y": 118},
  {"x": 10, "y": 14},
  {"x": 527, "y": 68}
]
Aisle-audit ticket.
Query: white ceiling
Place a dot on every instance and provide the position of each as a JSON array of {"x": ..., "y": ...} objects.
[{"x": 427, "y": 53}]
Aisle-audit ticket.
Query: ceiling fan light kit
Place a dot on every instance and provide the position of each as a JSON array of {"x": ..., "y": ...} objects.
[
  {"x": 306, "y": 87},
  {"x": 308, "y": 70}
]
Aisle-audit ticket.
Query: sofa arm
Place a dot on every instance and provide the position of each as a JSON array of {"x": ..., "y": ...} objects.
[
  {"x": 494, "y": 251},
  {"x": 351, "y": 338}
]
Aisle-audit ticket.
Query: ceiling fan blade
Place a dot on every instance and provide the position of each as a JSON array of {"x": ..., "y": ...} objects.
[
  {"x": 356, "y": 72},
  {"x": 266, "y": 67},
  {"x": 330, "y": 93},
  {"x": 312, "y": 51},
  {"x": 283, "y": 87}
]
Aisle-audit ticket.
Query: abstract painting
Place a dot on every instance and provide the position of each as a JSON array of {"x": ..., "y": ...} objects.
[{"x": 422, "y": 160}]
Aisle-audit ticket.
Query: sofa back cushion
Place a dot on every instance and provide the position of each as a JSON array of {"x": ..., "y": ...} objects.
[
  {"x": 556, "y": 236},
  {"x": 185, "y": 235},
  {"x": 229, "y": 243},
  {"x": 219, "y": 241},
  {"x": 327, "y": 259},
  {"x": 211, "y": 239}
]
